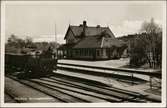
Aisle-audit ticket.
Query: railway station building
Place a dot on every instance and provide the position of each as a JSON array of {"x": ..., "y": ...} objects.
[{"x": 91, "y": 43}]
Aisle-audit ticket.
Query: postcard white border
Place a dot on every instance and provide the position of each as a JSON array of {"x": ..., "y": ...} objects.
[{"x": 163, "y": 104}]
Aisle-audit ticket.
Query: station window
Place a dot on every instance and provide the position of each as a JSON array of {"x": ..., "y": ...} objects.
[
  {"x": 101, "y": 51},
  {"x": 98, "y": 53}
]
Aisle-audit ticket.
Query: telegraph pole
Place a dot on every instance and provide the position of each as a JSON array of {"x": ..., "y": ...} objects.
[
  {"x": 56, "y": 51},
  {"x": 55, "y": 36}
]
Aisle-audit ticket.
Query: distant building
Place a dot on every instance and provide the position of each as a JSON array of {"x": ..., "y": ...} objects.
[{"x": 92, "y": 43}]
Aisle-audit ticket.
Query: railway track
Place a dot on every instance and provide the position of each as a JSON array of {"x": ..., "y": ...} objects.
[
  {"x": 76, "y": 83},
  {"x": 71, "y": 83},
  {"x": 70, "y": 89}
]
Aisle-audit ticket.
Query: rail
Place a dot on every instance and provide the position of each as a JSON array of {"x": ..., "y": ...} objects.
[{"x": 152, "y": 73}]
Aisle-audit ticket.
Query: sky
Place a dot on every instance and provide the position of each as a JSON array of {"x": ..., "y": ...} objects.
[{"x": 42, "y": 20}]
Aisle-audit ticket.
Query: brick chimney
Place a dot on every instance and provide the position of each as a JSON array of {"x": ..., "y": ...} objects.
[
  {"x": 84, "y": 27},
  {"x": 84, "y": 23}
]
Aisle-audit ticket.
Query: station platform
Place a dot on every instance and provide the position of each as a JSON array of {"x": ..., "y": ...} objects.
[{"x": 104, "y": 63}]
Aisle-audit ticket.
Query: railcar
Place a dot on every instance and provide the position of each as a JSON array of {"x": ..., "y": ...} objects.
[{"x": 29, "y": 66}]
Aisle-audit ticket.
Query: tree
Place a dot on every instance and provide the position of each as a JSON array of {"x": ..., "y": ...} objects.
[
  {"x": 29, "y": 43},
  {"x": 148, "y": 44},
  {"x": 137, "y": 52},
  {"x": 150, "y": 27},
  {"x": 17, "y": 45},
  {"x": 16, "y": 42}
]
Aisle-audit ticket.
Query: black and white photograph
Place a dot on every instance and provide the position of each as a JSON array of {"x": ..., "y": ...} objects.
[{"x": 83, "y": 53}]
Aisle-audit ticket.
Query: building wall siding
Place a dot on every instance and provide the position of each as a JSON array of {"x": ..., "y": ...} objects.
[
  {"x": 101, "y": 53},
  {"x": 90, "y": 53}
]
